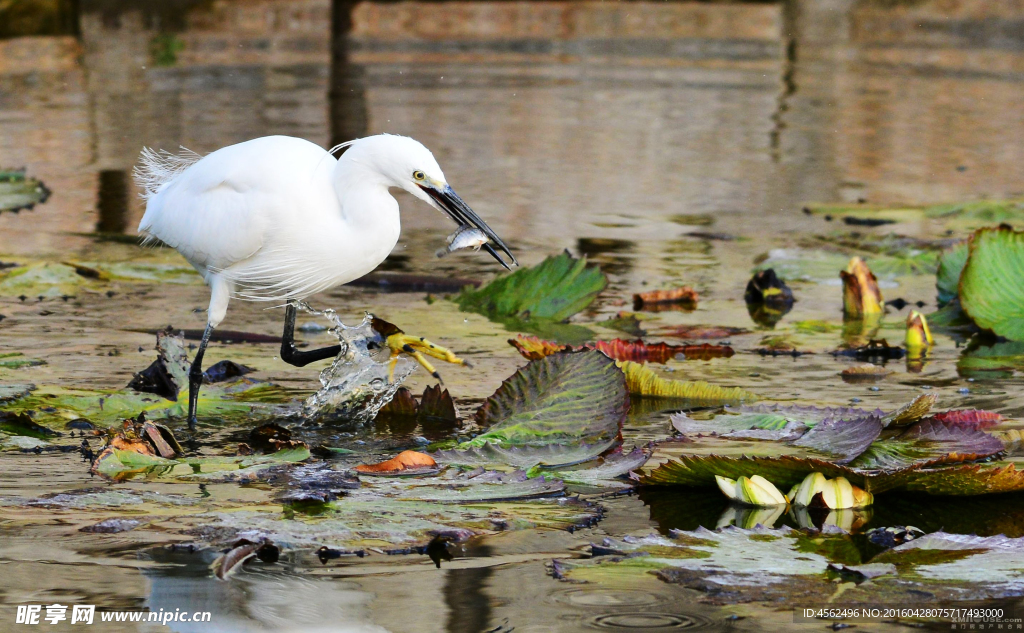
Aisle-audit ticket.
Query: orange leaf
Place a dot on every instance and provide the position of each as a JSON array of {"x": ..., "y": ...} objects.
[
  {"x": 533, "y": 348},
  {"x": 406, "y": 460},
  {"x": 141, "y": 447},
  {"x": 685, "y": 295}
]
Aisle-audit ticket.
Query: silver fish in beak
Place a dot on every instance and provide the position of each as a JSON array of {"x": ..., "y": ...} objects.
[
  {"x": 465, "y": 237},
  {"x": 448, "y": 201}
]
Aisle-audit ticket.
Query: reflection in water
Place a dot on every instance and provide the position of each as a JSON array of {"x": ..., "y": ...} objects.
[
  {"x": 112, "y": 203},
  {"x": 465, "y": 595},
  {"x": 686, "y": 509}
]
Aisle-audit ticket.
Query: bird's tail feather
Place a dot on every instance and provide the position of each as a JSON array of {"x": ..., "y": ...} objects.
[{"x": 156, "y": 168}]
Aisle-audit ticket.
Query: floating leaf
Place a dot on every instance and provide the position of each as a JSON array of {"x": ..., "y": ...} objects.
[
  {"x": 609, "y": 467},
  {"x": 967, "y": 418},
  {"x": 555, "y": 289},
  {"x": 656, "y": 299},
  {"x": 526, "y": 457},
  {"x": 405, "y": 462},
  {"x": 625, "y": 322},
  {"x": 947, "y": 279},
  {"x": 866, "y": 372},
  {"x": 991, "y": 286},
  {"x": 119, "y": 464},
  {"x": 993, "y": 360},
  {"x": 642, "y": 381},
  {"x": 566, "y": 397},
  {"x": 533, "y": 348},
  {"x": 17, "y": 191},
  {"x": 929, "y": 441},
  {"x": 844, "y": 439}
]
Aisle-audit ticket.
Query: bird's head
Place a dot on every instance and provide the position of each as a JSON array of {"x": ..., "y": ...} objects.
[{"x": 404, "y": 162}]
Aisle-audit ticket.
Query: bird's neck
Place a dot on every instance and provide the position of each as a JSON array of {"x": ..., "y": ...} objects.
[{"x": 367, "y": 208}]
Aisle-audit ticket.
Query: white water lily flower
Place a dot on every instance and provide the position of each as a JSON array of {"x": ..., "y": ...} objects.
[
  {"x": 836, "y": 493},
  {"x": 754, "y": 491}
]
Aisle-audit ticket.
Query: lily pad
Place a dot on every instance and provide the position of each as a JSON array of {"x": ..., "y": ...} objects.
[
  {"x": 18, "y": 191},
  {"x": 844, "y": 439},
  {"x": 554, "y": 290},
  {"x": 120, "y": 464},
  {"x": 932, "y": 441},
  {"x": 947, "y": 279},
  {"x": 566, "y": 397},
  {"x": 991, "y": 286},
  {"x": 526, "y": 457}
]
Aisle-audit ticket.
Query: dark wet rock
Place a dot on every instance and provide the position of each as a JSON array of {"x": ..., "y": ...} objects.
[
  {"x": 330, "y": 553},
  {"x": 225, "y": 370},
  {"x": 889, "y": 537},
  {"x": 876, "y": 349},
  {"x": 272, "y": 437},
  {"x": 437, "y": 550},
  {"x": 112, "y": 526}
]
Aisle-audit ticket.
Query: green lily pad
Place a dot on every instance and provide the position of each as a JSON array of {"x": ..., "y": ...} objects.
[
  {"x": 947, "y": 278},
  {"x": 566, "y": 397},
  {"x": 119, "y": 464},
  {"x": 930, "y": 441},
  {"x": 992, "y": 282},
  {"x": 733, "y": 565},
  {"x": 547, "y": 455},
  {"x": 17, "y": 191},
  {"x": 553, "y": 290}
]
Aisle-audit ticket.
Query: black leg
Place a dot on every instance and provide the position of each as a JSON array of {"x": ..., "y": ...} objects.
[
  {"x": 195, "y": 377},
  {"x": 293, "y": 356}
]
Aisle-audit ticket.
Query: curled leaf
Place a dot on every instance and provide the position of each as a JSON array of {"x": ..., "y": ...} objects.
[
  {"x": 866, "y": 372},
  {"x": 642, "y": 381},
  {"x": 861, "y": 296},
  {"x": 404, "y": 462},
  {"x": 947, "y": 279},
  {"x": 534, "y": 348}
]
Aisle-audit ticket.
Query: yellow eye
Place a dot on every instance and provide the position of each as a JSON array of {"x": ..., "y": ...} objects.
[{"x": 418, "y": 175}]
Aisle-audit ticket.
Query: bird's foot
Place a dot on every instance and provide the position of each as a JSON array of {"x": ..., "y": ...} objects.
[{"x": 416, "y": 346}]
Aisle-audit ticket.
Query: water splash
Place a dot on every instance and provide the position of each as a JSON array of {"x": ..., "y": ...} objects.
[{"x": 358, "y": 382}]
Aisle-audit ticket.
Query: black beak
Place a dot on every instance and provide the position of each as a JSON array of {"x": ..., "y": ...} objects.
[{"x": 459, "y": 211}]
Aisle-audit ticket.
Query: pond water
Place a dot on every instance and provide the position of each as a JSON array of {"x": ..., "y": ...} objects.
[{"x": 671, "y": 143}]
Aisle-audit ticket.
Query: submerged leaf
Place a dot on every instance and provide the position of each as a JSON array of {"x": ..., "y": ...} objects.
[
  {"x": 992, "y": 282},
  {"x": 702, "y": 331},
  {"x": 555, "y": 289},
  {"x": 609, "y": 467},
  {"x": 642, "y": 381},
  {"x": 567, "y": 397}
]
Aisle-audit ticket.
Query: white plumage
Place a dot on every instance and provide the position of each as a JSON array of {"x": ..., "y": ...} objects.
[{"x": 279, "y": 218}]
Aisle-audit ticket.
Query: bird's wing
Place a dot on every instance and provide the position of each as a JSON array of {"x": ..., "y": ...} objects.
[{"x": 217, "y": 211}]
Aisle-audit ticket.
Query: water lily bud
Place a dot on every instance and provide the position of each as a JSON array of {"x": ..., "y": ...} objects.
[
  {"x": 727, "y": 486},
  {"x": 840, "y": 494},
  {"x": 861, "y": 296},
  {"x": 803, "y": 492},
  {"x": 753, "y": 491},
  {"x": 862, "y": 498},
  {"x": 918, "y": 334}
]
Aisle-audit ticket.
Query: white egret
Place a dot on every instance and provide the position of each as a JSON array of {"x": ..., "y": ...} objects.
[{"x": 280, "y": 219}]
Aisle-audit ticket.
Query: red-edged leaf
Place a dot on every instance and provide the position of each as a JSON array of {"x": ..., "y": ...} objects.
[{"x": 968, "y": 418}]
